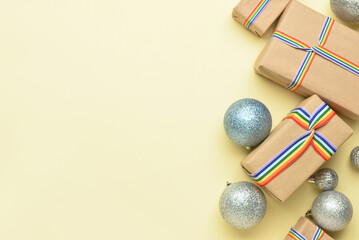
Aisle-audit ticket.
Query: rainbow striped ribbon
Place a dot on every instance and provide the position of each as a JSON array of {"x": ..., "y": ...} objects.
[
  {"x": 321, "y": 116},
  {"x": 318, "y": 234},
  {"x": 255, "y": 13},
  {"x": 297, "y": 236},
  {"x": 312, "y": 51}
]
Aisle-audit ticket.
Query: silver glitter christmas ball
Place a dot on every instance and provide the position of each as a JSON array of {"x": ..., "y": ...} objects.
[
  {"x": 242, "y": 205},
  {"x": 247, "y": 122},
  {"x": 346, "y": 10},
  {"x": 332, "y": 211},
  {"x": 326, "y": 179},
  {"x": 354, "y": 156}
]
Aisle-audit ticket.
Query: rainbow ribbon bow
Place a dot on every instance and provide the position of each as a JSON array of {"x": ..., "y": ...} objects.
[
  {"x": 312, "y": 51},
  {"x": 294, "y": 150},
  {"x": 255, "y": 13},
  {"x": 297, "y": 236}
]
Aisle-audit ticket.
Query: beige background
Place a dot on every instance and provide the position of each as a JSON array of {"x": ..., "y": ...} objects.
[{"x": 111, "y": 121}]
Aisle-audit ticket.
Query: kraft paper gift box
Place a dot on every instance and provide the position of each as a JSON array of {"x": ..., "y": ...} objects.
[
  {"x": 306, "y": 229},
  {"x": 258, "y": 15},
  {"x": 312, "y": 54},
  {"x": 303, "y": 141}
]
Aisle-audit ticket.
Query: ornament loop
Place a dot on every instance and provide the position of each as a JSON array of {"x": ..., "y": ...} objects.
[{"x": 311, "y": 180}]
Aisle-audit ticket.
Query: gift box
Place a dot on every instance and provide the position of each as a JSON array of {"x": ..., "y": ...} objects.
[
  {"x": 306, "y": 229},
  {"x": 310, "y": 53},
  {"x": 258, "y": 15},
  {"x": 304, "y": 140}
]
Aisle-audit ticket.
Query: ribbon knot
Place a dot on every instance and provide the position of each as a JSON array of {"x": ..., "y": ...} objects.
[
  {"x": 310, "y": 122},
  {"x": 312, "y": 51}
]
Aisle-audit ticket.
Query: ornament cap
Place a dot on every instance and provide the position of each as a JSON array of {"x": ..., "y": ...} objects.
[{"x": 309, "y": 213}]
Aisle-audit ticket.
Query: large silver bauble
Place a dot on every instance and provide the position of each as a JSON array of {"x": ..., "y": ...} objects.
[
  {"x": 346, "y": 10},
  {"x": 326, "y": 179},
  {"x": 332, "y": 211},
  {"x": 354, "y": 156},
  {"x": 242, "y": 205},
  {"x": 247, "y": 122}
]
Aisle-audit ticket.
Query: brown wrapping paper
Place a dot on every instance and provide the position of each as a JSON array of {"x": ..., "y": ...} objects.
[
  {"x": 269, "y": 15},
  {"x": 280, "y": 62},
  {"x": 336, "y": 131},
  {"x": 307, "y": 228}
]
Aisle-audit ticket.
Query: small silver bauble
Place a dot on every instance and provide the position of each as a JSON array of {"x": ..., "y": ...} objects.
[
  {"x": 346, "y": 10},
  {"x": 247, "y": 122},
  {"x": 325, "y": 179},
  {"x": 242, "y": 205},
  {"x": 354, "y": 156},
  {"x": 332, "y": 211}
]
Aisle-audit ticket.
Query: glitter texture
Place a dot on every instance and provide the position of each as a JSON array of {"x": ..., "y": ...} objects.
[
  {"x": 332, "y": 211},
  {"x": 242, "y": 205},
  {"x": 346, "y": 10},
  {"x": 247, "y": 122},
  {"x": 326, "y": 179},
  {"x": 354, "y": 156}
]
